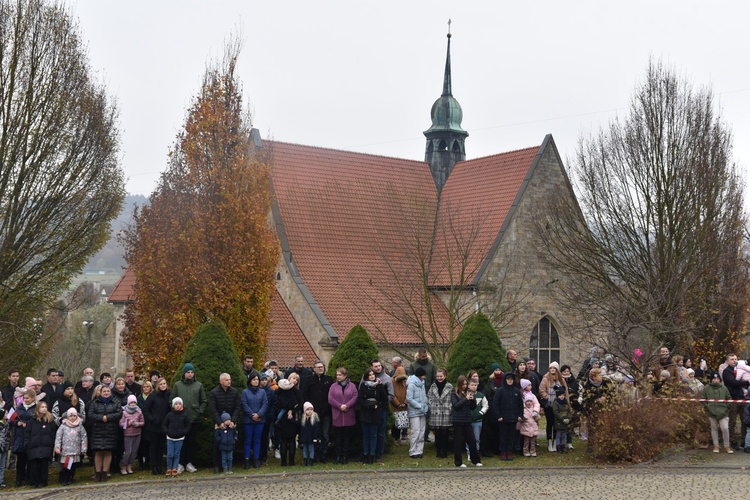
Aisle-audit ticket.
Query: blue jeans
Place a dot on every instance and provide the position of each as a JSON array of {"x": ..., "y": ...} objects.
[
  {"x": 226, "y": 460},
  {"x": 477, "y": 428},
  {"x": 369, "y": 438},
  {"x": 253, "y": 432},
  {"x": 308, "y": 450},
  {"x": 382, "y": 428},
  {"x": 560, "y": 437},
  {"x": 173, "y": 453}
]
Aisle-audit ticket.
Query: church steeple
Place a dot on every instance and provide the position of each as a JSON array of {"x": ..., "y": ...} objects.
[{"x": 445, "y": 138}]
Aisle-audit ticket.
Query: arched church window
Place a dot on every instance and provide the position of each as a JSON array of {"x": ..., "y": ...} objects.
[
  {"x": 442, "y": 146},
  {"x": 544, "y": 346},
  {"x": 456, "y": 146},
  {"x": 429, "y": 147}
]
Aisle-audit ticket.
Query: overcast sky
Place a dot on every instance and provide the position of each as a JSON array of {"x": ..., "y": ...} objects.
[{"x": 362, "y": 76}]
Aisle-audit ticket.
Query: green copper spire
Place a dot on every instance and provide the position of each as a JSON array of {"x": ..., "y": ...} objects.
[
  {"x": 445, "y": 138},
  {"x": 447, "y": 90}
]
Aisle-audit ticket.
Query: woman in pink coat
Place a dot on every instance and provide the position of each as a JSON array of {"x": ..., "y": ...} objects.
[{"x": 342, "y": 397}]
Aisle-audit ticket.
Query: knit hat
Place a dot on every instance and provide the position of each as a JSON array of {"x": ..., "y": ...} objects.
[
  {"x": 420, "y": 372},
  {"x": 525, "y": 383},
  {"x": 154, "y": 372},
  {"x": 495, "y": 366},
  {"x": 560, "y": 390},
  {"x": 664, "y": 374},
  {"x": 30, "y": 382},
  {"x": 71, "y": 411},
  {"x": 188, "y": 368},
  {"x": 528, "y": 397},
  {"x": 285, "y": 384},
  {"x": 713, "y": 375},
  {"x": 66, "y": 384},
  {"x": 555, "y": 365},
  {"x": 177, "y": 400},
  {"x": 133, "y": 399},
  {"x": 262, "y": 376},
  {"x": 307, "y": 405},
  {"x": 225, "y": 416},
  {"x": 690, "y": 370}
]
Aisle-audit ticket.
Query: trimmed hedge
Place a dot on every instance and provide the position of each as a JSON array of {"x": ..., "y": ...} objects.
[
  {"x": 212, "y": 353},
  {"x": 477, "y": 347},
  {"x": 354, "y": 354}
]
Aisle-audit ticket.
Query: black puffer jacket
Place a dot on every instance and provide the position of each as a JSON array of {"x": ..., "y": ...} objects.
[
  {"x": 176, "y": 424},
  {"x": 221, "y": 400},
  {"x": 462, "y": 408},
  {"x": 104, "y": 434},
  {"x": 155, "y": 409},
  {"x": 373, "y": 399},
  {"x": 40, "y": 439}
]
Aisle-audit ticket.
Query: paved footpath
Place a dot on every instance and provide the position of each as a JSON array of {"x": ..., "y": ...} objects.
[
  {"x": 683, "y": 475},
  {"x": 568, "y": 483}
]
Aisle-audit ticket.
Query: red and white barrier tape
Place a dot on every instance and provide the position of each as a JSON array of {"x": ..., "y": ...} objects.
[{"x": 700, "y": 400}]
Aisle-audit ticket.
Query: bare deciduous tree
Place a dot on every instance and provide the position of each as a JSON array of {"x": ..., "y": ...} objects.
[
  {"x": 654, "y": 254},
  {"x": 60, "y": 179}
]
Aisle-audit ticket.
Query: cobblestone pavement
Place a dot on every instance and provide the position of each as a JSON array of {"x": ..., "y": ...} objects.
[{"x": 569, "y": 483}]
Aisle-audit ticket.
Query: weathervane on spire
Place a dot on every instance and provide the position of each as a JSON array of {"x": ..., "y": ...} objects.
[{"x": 449, "y": 28}]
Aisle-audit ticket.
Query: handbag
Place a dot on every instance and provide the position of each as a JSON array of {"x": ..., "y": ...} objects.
[{"x": 402, "y": 419}]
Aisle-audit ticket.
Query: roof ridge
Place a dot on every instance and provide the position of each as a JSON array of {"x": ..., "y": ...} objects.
[
  {"x": 322, "y": 149},
  {"x": 504, "y": 153}
]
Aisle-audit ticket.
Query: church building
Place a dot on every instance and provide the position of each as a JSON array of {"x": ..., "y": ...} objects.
[{"x": 405, "y": 248}]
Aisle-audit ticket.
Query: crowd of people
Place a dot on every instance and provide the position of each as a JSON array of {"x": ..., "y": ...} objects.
[{"x": 119, "y": 423}]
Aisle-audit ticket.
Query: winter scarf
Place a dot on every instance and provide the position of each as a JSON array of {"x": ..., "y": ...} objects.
[{"x": 441, "y": 386}]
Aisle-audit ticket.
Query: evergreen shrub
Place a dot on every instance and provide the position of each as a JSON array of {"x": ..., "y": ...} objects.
[
  {"x": 476, "y": 348},
  {"x": 355, "y": 353},
  {"x": 212, "y": 353}
]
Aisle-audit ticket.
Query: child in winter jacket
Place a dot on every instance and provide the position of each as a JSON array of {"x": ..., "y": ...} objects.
[
  {"x": 71, "y": 442},
  {"x": 226, "y": 439},
  {"x": 40, "y": 444},
  {"x": 132, "y": 423},
  {"x": 176, "y": 425},
  {"x": 743, "y": 373},
  {"x": 308, "y": 434},
  {"x": 529, "y": 426},
  {"x": 563, "y": 416}
]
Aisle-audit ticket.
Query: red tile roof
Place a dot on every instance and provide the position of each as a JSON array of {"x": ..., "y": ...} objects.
[
  {"x": 474, "y": 204},
  {"x": 347, "y": 216},
  {"x": 123, "y": 290},
  {"x": 286, "y": 339},
  {"x": 358, "y": 226}
]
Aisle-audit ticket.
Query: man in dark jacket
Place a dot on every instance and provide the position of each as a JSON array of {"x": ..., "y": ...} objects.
[
  {"x": 223, "y": 398},
  {"x": 735, "y": 389},
  {"x": 300, "y": 369},
  {"x": 52, "y": 390},
  {"x": 316, "y": 392},
  {"x": 247, "y": 367},
  {"x": 10, "y": 389},
  {"x": 512, "y": 357}
]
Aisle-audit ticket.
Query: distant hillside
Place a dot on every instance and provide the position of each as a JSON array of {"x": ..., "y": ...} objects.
[{"x": 110, "y": 259}]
